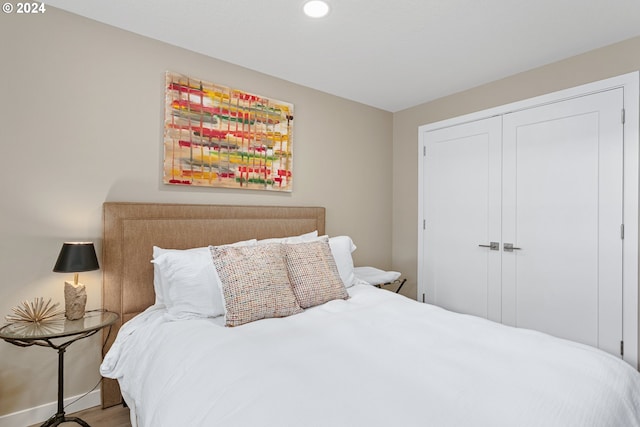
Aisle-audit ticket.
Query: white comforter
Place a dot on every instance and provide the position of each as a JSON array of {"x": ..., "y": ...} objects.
[{"x": 376, "y": 359}]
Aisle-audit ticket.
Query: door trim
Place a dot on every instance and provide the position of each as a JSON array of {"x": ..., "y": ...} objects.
[{"x": 630, "y": 83}]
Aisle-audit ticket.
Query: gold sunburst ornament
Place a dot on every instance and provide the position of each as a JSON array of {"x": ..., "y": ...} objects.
[{"x": 37, "y": 311}]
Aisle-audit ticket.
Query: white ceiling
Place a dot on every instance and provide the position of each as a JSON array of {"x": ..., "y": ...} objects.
[{"x": 390, "y": 54}]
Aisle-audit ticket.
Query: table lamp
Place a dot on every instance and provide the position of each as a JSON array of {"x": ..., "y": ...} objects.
[{"x": 76, "y": 257}]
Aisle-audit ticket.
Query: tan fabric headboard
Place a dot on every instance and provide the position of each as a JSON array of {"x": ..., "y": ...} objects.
[{"x": 132, "y": 229}]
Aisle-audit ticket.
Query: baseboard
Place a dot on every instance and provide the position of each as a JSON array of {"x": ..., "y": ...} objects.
[{"x": 41, "y": 413}]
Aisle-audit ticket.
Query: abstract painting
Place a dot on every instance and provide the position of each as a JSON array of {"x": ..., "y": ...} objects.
[{"x": 217, "y": 136}]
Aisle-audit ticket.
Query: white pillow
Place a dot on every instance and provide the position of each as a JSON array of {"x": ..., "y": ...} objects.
[
  {"x": 306, "y": 237},
  {"x": 186, "y": 281},
  {"x": 341, "y": 249},
  {"x": 190, "y": 284},
  {"x": 158, "y": 283}
]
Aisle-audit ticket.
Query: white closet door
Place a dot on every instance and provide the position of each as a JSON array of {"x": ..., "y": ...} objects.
[
  {"x": 462, "y": 211},
  {"x": 562, "y": 206}
]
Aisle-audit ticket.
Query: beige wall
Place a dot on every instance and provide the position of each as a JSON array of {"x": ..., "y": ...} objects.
[
  {"x": 596, "y": 65},
  {"x": 81, "y": 123}
]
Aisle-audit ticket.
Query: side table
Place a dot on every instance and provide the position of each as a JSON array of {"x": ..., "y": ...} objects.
[
  {"x": 379, "y": 278},
  {"x": 52, "y": 334},
  {"x": 399, "y": 282}
]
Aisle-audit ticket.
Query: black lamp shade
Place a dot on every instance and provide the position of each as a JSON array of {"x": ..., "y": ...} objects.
[{"x": 76, "y": 257}]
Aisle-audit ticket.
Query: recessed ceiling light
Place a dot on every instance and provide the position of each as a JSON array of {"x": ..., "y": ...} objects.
[{"x": 316, "y": 8}]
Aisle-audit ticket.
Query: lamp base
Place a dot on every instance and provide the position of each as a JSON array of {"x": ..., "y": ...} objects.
[{"x": 75, "y": 300}]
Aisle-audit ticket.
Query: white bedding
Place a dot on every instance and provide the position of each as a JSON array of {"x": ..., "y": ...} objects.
[{"x": 376, "y": 359}]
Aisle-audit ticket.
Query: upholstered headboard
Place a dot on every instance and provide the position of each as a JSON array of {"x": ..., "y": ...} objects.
[{"x": 132, "y": 229}]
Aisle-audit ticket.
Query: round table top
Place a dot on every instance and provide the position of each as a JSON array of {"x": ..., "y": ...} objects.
[{"x": 31, "y": 331}]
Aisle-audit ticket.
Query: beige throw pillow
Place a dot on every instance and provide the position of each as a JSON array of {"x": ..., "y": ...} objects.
[
  {"x": 255, "y": 284},
  {"x": 313, "y": 273}
]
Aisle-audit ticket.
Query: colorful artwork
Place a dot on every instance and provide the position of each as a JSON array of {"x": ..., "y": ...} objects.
[{"x": 215, "y": 136}]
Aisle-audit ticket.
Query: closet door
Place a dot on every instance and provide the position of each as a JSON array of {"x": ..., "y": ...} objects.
[
  {"x": 562, "y": 211},
  {"x": 461, "y": 196}
]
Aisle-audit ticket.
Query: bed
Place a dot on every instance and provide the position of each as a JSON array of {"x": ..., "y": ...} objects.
[{"x": 365, "y": 357}]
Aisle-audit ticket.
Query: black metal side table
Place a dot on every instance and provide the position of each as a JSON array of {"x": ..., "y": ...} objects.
[
  {"x": 50, "y": 334},
  {"x": 399, "y": 282}
]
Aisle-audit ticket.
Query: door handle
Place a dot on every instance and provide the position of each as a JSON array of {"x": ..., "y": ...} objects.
[
  {"x": 494, "y": 246},
  {"x": 508, "y": 247}
]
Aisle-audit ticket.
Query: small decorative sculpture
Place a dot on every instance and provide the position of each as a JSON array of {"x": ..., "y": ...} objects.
[{"x": 37, "y": 311}]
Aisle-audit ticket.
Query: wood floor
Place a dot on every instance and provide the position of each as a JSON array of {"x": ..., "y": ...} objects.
[{"x": 116, "y": 416}]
